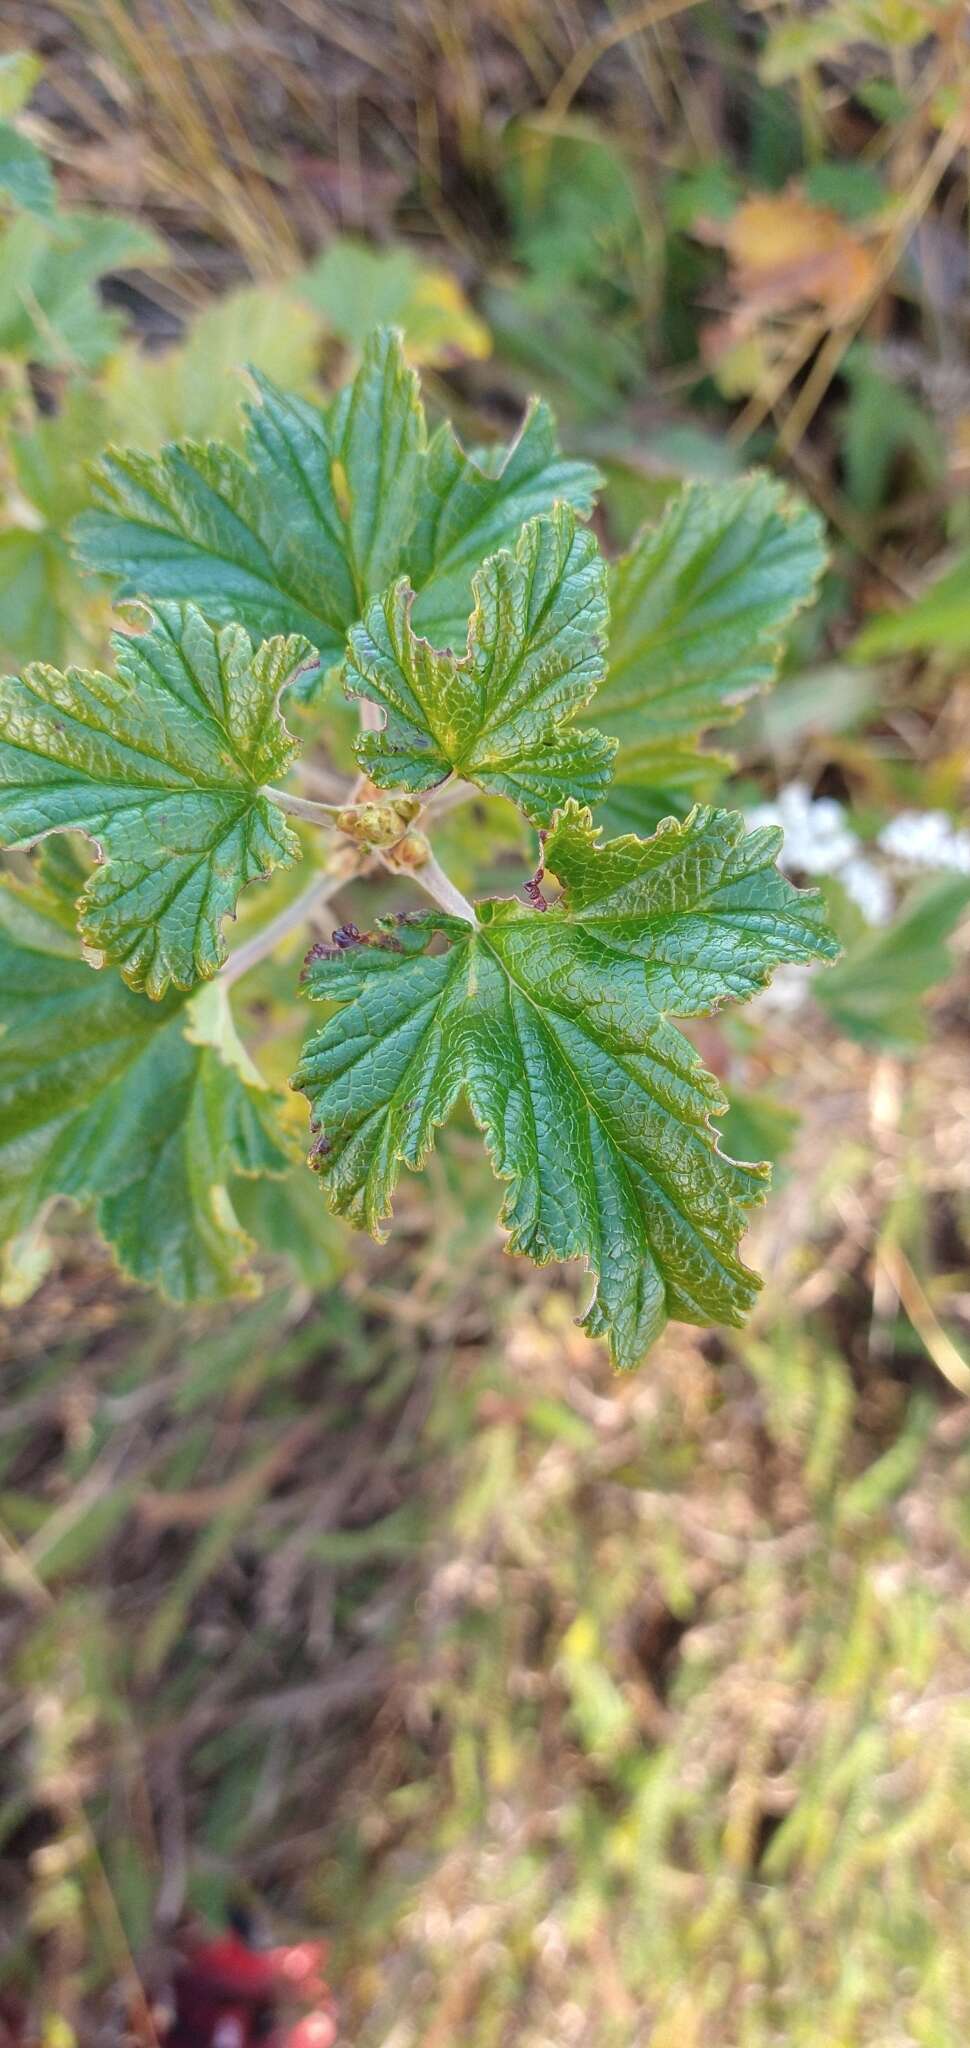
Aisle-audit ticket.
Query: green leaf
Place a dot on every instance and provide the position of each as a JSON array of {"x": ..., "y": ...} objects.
[
  {"x": 25, "y": 174},
  {"x": 500, "y": 715},
  {"x": 560, "y": 338},
  {"x": 357, "y": 288},
  {"x": 573, "y": 317},
  {"x": 49, "y": 310},
  {"x": 882, "y": 423},
  {"x": 162, "y": 766},
  {"x": 699, "y": 607},
  {"x": 876, "y": 993},
  {"x": 45, "y": 610},
  {"x": 793, "y": 47},
  {"x": 472, "y": 504},
  {"x": 575, "y": 207},
  {"x": 324, "y": 509},
  {"x": 759, "y": 1126},
  {"x": 630, "y": 807},
  {"x": 139, "y": 1108},
  {"x": 292, "y": 537},
  {"x": 852, "y": 188},
  {"x": 937, "y": 622},
  {"x": 50, "y": 455},
  {"x": 194, "y": 388},
  {"x": 554, "y": 1023},
  {"x": 285, "y": 1218},
  {"x": 31, "y": 612}
]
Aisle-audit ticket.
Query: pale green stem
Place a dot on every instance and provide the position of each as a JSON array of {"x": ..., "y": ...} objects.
[
  {"x": 430, "y": 875},
  {"x": 303, "y": 806},
  {"x": 439, "y": 886}
]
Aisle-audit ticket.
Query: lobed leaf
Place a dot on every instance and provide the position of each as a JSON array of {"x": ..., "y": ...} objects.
[
  {"x": 44, "y": 608},
  {"x": 161, "y": 765},
  {"x": 357, "y": 287},
  {"x": 877, "y": 994},
  {"x": 323, "y": 510},
  {"x": 500, "y": 715},
  {"x": 50, "y": 311},
  {"x": 290, "y": 537},
  {"x": 147, "y": 1110},
  {"x": 194, "y": 387},
  {"x": 699, "y": 607},
  {"x": 554, "y": 1023},
  {"x": 472, "y": 504}
]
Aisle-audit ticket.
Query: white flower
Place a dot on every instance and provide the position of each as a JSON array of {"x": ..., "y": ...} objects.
[
  {"x": 926, "y": 839},
  {"x": 818, "y": 838},
  {"x": 869, "y": 887},
  {"x": 786, "y": 991}
]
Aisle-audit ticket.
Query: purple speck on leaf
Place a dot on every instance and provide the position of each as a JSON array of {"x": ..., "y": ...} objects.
[{"x": 533, "y": 891}]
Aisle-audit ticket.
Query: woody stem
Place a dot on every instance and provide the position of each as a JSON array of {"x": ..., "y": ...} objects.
[{"x": 311, "y": 899}]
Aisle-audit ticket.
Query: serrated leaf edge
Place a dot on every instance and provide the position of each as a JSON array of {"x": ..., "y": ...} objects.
[
  {"x": 94, "y": 952},
  {"x": 403, "y": 588}
]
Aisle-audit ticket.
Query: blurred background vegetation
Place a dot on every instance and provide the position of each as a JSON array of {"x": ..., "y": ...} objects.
[{"x": 576, "y": 1711}]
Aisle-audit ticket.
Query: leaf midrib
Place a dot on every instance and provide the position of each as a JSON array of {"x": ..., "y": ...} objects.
[
  {"x": 246, "y": 798},
  {"x": 559, "y": 715},
  {"x": 596, "y": 1114}
]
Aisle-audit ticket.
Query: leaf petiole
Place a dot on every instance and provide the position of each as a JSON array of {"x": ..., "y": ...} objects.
[
  {"x": 304, "y": 807},
  {"x": 431, "y": 877}
]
